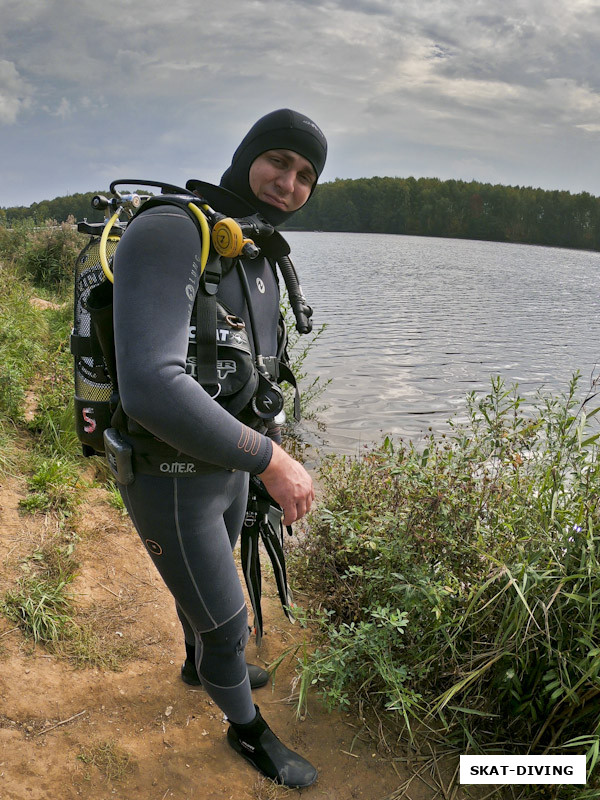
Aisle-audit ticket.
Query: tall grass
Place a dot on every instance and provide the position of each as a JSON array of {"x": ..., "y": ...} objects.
[
  {"x": 312, "y": 388},
  {"x": 23, "y": 340},
  {"x": 459, "y": 584},
  {"x": 34, "y": 342},
  {"x": 43, "y": 254}
]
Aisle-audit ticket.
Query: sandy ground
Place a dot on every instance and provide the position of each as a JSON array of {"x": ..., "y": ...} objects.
[{"x": 172, "y": 737}]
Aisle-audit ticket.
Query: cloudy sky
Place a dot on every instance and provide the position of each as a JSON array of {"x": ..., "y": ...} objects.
[{"x": 502, "y": 92}]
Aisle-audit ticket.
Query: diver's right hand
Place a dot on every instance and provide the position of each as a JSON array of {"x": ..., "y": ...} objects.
[{"x": 289, "y": 484}]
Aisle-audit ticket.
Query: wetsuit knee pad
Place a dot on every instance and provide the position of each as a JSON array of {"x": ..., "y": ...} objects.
[{"x": 223, "y": 661}]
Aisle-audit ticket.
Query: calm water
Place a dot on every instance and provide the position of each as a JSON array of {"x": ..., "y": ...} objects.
[{"x": 414, "y": 324}]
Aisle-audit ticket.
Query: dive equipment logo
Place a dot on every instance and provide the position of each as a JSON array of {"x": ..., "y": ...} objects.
[
  {"x": 177, "y": 468},
  {"x": 260, "y": 285},
  {"x": 310, "y": 124},
  {"x": 89, "y": 420},
  {"x": 225, "y": 368}
]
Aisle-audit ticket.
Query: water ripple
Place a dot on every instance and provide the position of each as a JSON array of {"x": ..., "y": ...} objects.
[{"x": 413, "y": 324}]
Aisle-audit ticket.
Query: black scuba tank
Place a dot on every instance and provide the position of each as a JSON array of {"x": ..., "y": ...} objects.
[{"x": 96, "y": 394}]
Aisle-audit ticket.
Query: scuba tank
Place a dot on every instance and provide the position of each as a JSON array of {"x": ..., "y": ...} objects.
[{"x": 96, "y": 395}]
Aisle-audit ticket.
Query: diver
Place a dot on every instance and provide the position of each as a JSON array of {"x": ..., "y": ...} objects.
[{"x": 188, "y": 497}]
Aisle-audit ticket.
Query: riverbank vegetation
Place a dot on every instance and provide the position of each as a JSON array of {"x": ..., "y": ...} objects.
[
  {"x": 458, "y": 585},
  {"x": 416, "y": 207}
]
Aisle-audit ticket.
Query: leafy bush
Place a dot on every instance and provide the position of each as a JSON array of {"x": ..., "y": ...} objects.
[
  {"x": 461, "y": 582},
  {"x": 45, "y": 254}
]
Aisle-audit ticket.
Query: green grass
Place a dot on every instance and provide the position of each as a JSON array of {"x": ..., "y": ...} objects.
[
  {"x": 42, "y": 607},
  {"x": 23, "y": 336},
  {"x": 459, "y": 584},
  {"x": 41, "y": 603},
  {"x": 9, "y": 456},
  {"x": 114, "y": 496},
  {"x": 53, "y": 486}
]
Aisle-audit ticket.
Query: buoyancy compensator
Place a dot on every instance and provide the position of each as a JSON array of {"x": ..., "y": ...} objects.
[{"x": 219, "y": 356}]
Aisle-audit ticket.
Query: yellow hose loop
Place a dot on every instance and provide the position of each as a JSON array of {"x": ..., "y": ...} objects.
[
  {"x": 108, "y": 227},
  {"x": 103, "y": 239},
  {"x": 205, "y": 234}
]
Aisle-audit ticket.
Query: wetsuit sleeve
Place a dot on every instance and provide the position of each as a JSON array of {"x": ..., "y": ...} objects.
[{"x": 157, "y": 268}]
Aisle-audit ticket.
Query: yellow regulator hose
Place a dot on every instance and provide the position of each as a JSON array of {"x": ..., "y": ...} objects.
[
  {"x": 108, "y": 227},
  {"x": 205, "y": 234},
  {"x": 103, "y": 239}
]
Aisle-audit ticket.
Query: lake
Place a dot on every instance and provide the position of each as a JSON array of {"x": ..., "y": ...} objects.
[{"x": 415, "y": 323}]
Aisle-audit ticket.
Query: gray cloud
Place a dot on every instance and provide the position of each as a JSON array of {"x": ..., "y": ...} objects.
[
  {"x": 91, "y": 91},
  {"x": 14, "y": 93}
]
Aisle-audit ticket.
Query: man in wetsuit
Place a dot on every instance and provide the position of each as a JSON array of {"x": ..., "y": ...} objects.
[{"x": 189, "y": 518}]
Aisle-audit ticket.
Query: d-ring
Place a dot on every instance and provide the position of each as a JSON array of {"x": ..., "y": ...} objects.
[{"x": 235, "y": 322}]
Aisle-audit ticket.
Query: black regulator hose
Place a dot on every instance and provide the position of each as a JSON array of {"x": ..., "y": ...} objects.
[{"x": 302, "y": 311}]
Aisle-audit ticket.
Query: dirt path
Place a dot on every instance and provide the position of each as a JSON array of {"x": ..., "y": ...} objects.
[{"x": 61, "y": 728}]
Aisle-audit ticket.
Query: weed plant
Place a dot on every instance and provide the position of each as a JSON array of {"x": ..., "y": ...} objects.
[
  {"x": 41, "y": 604},
  {"x": 459, "y": 584},
  {"x": 311, "y": 388},
  {"x": 53, "y": 486},
  {"x": 43, "y": 254},
  {"x": 111, "y": 760}
]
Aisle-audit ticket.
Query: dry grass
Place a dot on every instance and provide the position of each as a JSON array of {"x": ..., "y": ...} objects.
[{"x": 108, "y": 758}]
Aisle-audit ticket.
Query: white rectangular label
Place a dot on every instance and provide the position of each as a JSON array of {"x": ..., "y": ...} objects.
[{"x": 522, "y": 769}]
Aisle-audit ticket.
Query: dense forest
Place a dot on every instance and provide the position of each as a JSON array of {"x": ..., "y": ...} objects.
[
  {"x": 59, "y": 209},
  {"x": 431, "y": 207},
  {"x": 420, "y": 207}
]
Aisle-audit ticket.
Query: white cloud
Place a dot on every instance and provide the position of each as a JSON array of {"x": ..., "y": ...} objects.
[
  {"x": 14, "y": 93},
  {"x": 63, "y": 110}
]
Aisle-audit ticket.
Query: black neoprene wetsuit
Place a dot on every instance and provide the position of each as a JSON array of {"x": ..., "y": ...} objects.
[{"x": 189, "y": 523}]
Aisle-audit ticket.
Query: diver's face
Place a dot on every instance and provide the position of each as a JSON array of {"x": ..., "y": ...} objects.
[{"x": 282, "y": 178}]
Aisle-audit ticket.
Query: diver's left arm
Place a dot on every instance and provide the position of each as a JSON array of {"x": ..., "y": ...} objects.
[{"x": 156, "y": 277}]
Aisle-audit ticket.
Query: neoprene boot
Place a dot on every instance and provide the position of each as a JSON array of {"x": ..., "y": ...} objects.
[
  {"x": 257, "y": 743},
  {"x": 258, "y": 676}
]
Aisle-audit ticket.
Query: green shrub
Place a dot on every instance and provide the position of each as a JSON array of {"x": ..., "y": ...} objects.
[
  {"x": 45, "y": 254},
  {"x": 461, "y": 581}
]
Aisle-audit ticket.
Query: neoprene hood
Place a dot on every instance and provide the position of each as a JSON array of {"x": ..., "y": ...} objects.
[{"x": 282, "y": 129}]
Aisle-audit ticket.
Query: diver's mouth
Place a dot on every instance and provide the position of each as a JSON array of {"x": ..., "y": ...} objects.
[{"x": 273, "y": 200}]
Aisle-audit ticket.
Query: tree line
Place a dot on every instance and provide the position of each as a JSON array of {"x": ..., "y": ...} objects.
[
  {"x": 59, "y": 209},
  {"x": 418, "y": 207},
  {"x": 468, "y": 210}
]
